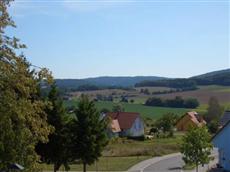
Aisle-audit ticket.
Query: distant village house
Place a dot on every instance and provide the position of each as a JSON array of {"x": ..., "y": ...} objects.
[
  {"x": 125, "y": 124},
  {"x": 190, "y": 119}
]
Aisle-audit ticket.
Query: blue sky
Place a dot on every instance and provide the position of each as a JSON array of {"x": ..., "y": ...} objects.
[{"x": 83, "y": 38}]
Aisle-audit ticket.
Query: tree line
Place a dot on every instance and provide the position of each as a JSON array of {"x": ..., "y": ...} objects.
[
  {"x": 177, "y": 102},
  {"x": 91, "y": 87},
  {"x": 172, "y": 83}
]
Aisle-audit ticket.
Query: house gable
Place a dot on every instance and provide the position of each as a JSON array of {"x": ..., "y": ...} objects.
[
  {"x": 222, "y": 141},
  {"x": 190, "y": 119}
]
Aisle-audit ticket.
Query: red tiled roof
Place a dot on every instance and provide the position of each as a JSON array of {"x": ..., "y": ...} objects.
[
  {"x": 196, "y": 118},
  {"x": 125, "y": 119}
]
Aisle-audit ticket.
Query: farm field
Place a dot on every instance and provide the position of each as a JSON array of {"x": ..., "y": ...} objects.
[
  {"x": 222, "y": 93},
  {"x": 145, "y": 111},
  {"x": 202, "y": 94}
]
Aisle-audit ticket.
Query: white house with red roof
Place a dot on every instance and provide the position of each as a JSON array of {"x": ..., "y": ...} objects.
[{"x": 126, "y": 124}]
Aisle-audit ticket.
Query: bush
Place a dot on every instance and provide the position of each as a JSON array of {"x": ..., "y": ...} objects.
[
  {"x": 154, "y": 101},
  {"x": 177, "y": 102},
  {"x": 213, "y": 127},
  {"x": 191, "y": 103}
]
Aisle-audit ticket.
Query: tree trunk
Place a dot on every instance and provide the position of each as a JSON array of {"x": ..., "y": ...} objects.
[
  {"x": 56, "y": 167},
  {"x": 84, "y": 167},
  {"x": 196, "y": 167}
]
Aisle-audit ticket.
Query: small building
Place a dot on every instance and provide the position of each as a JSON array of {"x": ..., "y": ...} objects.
[
  {"x": 188, "y": 120},
  {"x": 222, "y": 141},
  {"x": 224, "y": 119},
  {"x": 126, "y": 124}
]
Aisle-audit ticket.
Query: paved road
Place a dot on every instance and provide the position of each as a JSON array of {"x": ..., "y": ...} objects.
[
  {"x": 173, "y": 164},
  {"x": 169, "y": 163}
]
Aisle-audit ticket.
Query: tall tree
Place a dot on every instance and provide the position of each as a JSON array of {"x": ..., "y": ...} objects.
[
  {"x": 22, "y": 116},
  {"x": 58, "y": 150},
  {"x": 90, "y": 134},
  {"x": 196, "y": 147},
  {"x": 214, "y": 110}
]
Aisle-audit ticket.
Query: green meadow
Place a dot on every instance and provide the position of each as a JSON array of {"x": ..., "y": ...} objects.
[{"x": 145, "y": 111}]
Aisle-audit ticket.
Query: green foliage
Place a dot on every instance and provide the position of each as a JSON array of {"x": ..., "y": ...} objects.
[
  {"x": 118, "y": 108},
  {"x": 214, "y": 110},
  {"x": 58, "y": 150},
  {"x": 191, "y": 103},
  {"x": 172, "y": 83},
  {"x": 22, "y": 110},
  {"x": 166, "y": 123},
  {"x": 213, "y": 126},
  {"x": 196, "y": 147},
  {"x": 177, "y": 102},
  {"x": 90, "y": 133}
]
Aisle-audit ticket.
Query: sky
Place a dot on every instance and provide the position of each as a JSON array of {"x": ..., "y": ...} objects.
[{"x": 90, "y": 38}]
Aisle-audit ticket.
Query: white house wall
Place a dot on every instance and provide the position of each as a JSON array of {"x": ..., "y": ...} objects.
[
  {"x": 222, "y": 142},
  {"x": 137, "y": 129}
]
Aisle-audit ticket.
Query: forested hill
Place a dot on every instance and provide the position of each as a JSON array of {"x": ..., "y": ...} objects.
[
  {"x": 221, "y": 77},
  {"x": 218, "y": 78},
  {"x": 213, "y": 78},
  {"x": 104, "y": 81}
]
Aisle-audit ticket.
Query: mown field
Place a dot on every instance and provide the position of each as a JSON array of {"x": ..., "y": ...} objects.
[
  {"x": 121, "y": 154},
  {"x": 145, "y": 111}
]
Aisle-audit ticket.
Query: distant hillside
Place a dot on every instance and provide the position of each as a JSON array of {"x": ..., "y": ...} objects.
[
  {"x": 212, "y": 74},
  {"x": 221, "y": 77},
  {"x": 104, "y": 81}
]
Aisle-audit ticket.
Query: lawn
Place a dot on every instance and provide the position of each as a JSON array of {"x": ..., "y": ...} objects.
[
  {"x": 105, "y": 164},
  {"x": 145, "y": 111},
  {"x": 155, "y": 147},
  {"x": 121, "y": 154}
]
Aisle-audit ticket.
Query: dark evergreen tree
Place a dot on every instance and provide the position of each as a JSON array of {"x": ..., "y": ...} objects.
[
  {"x": 58, "y": 150},
  {"x": 90, "y": 137}
]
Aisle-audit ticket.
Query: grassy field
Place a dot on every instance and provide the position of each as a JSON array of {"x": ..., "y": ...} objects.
[
  {"x": 155, "y": 147},
  {"x": 121, "y": 154},
  {"x": 145, "y": 111},
  {"x": 104, "y": 164}
]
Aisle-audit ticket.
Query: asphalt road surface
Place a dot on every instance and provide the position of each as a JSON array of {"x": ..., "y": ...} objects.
[{"x": 173, "y": 164}]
